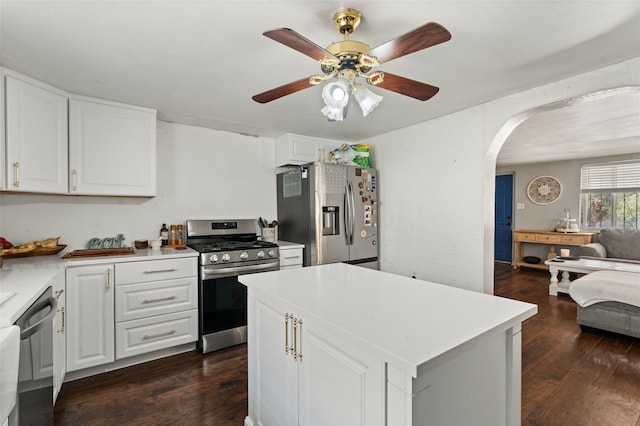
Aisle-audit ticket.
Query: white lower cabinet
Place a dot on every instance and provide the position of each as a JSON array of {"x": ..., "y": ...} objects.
[
  {"x": 290, "y": 255},
  {"x": 156, "y": 305},
  {"x": 118, "y": 310},
  {"x": 59, "y": 335},
  {"x": 303, "y": 373},
  {"x": 90, "y": 316}
]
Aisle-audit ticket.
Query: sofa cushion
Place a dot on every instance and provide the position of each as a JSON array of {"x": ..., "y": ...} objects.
[{"x": 621, "y": 243}]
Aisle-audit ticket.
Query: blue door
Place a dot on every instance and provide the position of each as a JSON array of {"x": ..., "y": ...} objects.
[{"x": 504, "y": 210}]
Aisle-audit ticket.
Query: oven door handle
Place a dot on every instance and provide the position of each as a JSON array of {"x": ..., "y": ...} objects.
[
  {"x": 234, "y": 270},
  {"x": 49, "y": 302}
]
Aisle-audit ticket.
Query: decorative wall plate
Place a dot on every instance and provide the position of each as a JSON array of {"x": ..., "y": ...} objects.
[{"x": 544, "y": 190}]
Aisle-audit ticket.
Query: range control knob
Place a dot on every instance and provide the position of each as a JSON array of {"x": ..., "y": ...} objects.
[
  {"x": 226, "y": 257},
  {"x": 244, "y": 255},
  {"x": 260, "y": 254},
  {"x": 271, "y": 253},
  {"x": 214, "y": 258}
]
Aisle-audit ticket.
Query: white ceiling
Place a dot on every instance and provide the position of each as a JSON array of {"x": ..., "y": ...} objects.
[{"x": 199, "y": 62}]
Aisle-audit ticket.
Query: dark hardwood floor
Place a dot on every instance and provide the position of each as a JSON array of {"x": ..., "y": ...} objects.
[{"x": 569, "y": 377}]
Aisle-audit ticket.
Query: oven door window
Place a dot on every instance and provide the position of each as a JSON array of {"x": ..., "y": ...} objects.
[{"x": 224, "y": 304}]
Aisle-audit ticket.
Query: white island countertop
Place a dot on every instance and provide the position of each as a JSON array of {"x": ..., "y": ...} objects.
[
  {"x": 23, "y": 280},
  {"x": 407, "y": 322}
]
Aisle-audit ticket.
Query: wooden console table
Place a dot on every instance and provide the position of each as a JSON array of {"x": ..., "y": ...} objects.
[{"x": 545, "y": 237}]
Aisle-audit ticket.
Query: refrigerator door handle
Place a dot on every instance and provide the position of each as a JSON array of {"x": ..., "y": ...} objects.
[
  {"x": 347, "y": 226},
  {"x": 352, "y": 212}
]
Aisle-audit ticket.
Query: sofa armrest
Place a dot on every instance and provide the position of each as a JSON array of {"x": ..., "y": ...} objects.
[{"x": 592, "y": 250}]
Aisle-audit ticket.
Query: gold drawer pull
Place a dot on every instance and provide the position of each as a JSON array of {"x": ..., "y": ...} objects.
[
  {"x": 164, "y": 299},
  {"x": 155, "y": 336},
  {"x": 158, "y": 271},
  {"x": 74, "y": 180}
]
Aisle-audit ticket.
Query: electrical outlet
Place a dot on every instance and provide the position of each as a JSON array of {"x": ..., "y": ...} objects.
[{"x": 520, "y": 206}]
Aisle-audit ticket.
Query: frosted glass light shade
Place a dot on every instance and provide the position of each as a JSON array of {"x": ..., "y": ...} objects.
[{"x": 366, "y": 99}]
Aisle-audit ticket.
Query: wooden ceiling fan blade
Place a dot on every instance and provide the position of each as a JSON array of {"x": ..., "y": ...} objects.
[
  {"x": 408, "y": 87},
  {"x": 278, "y": 92},
  {"x": 292, "y": 39},
  {"x": 425, "y": 36}
]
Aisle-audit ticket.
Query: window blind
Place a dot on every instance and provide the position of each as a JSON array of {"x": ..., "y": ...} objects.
[{"x": 621, "y": 176}]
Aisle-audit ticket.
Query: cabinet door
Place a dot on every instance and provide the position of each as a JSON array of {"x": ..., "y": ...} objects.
[
  {"x": 90, "y": 316},
  {"x": 273, "y": 395},
  {"x": 112, "y": 149},
  {"x": 36, "y": 138},
  {"x": 59, "y": 335},
  {"x": 339, "y": 382}
]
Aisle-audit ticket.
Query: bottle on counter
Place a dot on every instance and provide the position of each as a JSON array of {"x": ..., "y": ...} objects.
[
  {"x": 180, "y": 232},
  {"x": 164, "y": 234},
  {"x": 173, "y": 237}
]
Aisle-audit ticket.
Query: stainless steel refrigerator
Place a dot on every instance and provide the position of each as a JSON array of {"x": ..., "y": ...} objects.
[{"x": 333, "y": 210}]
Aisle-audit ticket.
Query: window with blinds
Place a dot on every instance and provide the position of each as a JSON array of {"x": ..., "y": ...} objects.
[{"x": 610, "y": 195}]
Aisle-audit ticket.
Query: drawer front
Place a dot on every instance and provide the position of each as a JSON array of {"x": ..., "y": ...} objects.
[
  {"x": 290, "y": 257},
  {"x": 573, "y": 239},
  {"x": 525, "y": 236},
  {"x": 143, "y": 300},
  {"x": 155, "y": 270},
  {"x": 544, "y": 238},
  {"x": 151, "y": 334}
]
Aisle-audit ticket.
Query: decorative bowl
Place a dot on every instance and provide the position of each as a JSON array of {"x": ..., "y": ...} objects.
[
  {"x": 155, "y": 244},
  {"x": 531, "y": 259},
  {"x": 141, "y": 244}
]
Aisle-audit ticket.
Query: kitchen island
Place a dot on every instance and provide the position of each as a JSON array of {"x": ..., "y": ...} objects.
[{"x": 340, "y": 344}]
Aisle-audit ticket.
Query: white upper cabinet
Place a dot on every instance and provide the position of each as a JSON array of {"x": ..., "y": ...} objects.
[
  {"x": 36, "y": 137},
  {"x": 56, "y": 143},
  {"x": 112, "y": 148},
  {"x": 298, "y": 149}
]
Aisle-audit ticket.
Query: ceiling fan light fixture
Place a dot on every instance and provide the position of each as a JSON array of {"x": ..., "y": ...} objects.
[
  {"x": 336, "y": 98},
  {"x": 367, "y": 100}
]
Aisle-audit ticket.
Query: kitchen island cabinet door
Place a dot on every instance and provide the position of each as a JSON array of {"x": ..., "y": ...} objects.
[
  {"x": 323, "y": 379},
  {"x": 273, "y": 375},
  {"x": 36, "y": 137},
  {"x": 112, "y": 148},
  {"x": 90, "y": 316}
]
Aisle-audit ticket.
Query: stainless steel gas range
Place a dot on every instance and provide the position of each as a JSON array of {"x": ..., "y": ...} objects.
[{"x": 227, "y": 249}]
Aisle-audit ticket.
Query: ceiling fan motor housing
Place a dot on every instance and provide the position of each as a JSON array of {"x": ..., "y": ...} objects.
[{"x": 347, "y": 20}]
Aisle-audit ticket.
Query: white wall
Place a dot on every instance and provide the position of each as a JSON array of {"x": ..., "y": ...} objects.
[
  {"x": 202, "y": 174},
  {"x": 437, "y": 181}
]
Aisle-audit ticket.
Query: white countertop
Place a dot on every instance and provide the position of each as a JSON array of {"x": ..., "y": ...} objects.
[
  {"x": 408, "y": 322},
  {"x": 24, "y": 279}
]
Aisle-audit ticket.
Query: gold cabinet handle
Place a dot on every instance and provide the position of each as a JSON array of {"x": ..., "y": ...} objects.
[
  {"x": 159, "y": 271},
  {"x": 164, "y": 299},
  {"x": 296, "y": 322},
  {"x": 300, "y": 331},
  {"x": 16, "y": 168},
  {"x": 155, "y": 336},
  {"x": 286, "y": 333},
  {"x": 108, "y": 278},
  {"x": 74, "y": 180},
  {"x": 58, "y": 294},
  {"x": 61, "y": 310}
]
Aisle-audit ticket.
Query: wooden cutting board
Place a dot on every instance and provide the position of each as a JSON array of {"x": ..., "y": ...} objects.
[{"x": 123, "y": 251}]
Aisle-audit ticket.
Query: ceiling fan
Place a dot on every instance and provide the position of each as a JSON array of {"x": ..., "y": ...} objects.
[{"x": 349, "y": 59}]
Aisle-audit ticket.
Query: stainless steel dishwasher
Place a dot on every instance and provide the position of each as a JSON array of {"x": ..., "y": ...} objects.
[{"x": 34, "y": 405}]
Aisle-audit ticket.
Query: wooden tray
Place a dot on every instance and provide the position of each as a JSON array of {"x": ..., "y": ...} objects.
[
  {"x": 39, "y": 251},
  {"x": 99, "y": 252}
]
